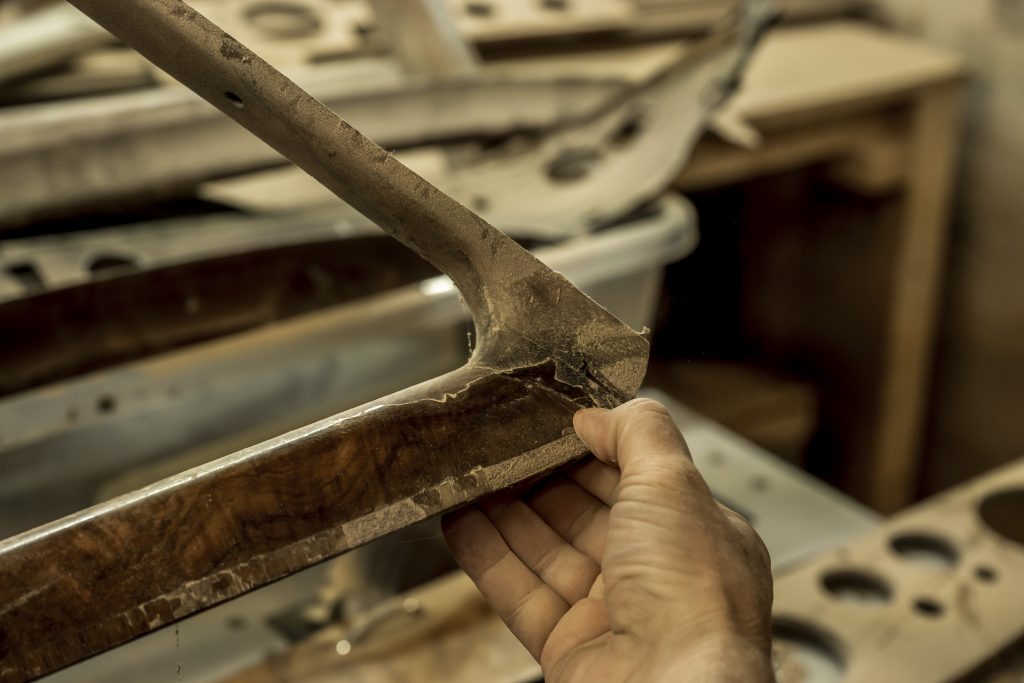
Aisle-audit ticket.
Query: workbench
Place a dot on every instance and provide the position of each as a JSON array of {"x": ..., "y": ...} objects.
[{"x": 884, "y": 112}]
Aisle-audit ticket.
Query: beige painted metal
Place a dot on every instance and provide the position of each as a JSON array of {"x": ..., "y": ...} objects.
[
  {"x": 929, "y": 596},
  {"x": 572, "y": 180},
  {"x": 60, "y": 159},
  {"x": 46, "y": 38},
  {"x": 423, "y": 36},
  {"x": 305, "y": 31},
  {"x": 288, "y": 33}
]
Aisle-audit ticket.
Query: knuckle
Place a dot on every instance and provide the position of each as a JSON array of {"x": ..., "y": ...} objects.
[
  {"x": 752, "y": 544},
  {"x": 639, "y": 406}
]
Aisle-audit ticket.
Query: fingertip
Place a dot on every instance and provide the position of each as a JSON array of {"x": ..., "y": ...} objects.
[
  {"x": 584, "y": 416},
  {"x": 586, "y": 423}
]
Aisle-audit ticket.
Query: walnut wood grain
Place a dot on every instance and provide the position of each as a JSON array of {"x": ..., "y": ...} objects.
[{"x": 97, "y": 579}]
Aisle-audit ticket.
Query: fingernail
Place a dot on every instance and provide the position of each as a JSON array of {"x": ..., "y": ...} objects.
[{"x": 586, "y": 414}]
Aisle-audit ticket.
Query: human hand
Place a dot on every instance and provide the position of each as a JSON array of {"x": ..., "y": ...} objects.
[{"x": 624, "y": 567}]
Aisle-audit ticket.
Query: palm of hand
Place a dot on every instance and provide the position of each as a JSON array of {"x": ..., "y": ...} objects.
[{"x": 614, "y": 576}]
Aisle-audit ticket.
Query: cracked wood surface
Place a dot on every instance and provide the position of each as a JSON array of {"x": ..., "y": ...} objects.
[
  {"x": 99, "y": 578},
  {"x": 92, "y": 581}
]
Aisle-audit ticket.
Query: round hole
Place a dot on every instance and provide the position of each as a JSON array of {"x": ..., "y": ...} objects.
[
  {"x": 558, "y": 5},
  {"x": 364, "y": 31},
  {"x": 986, "y": 574},
  {"x": 803, "y": 652},
  {"x": 27, "y": 275},
  {"x": 925, "y": 550},
  {"x": 480, "y": 203},
  {"x": 106, "y": 263},
  {"x": 627, "y": 131},
  {"x": 1003, "y": 513},
  {"x": 283, "y": 19},
  {"x": 573, "y": 164},
  {"x": 759, "y": 484},
  {"x": 928, "y": 607},
  {"x": 479, "y": 9},
  {"x": 106, "y": 404},
  {"x": 234, "y": 99},
  {"x": 72, "y": 415},
  {"x": 856, "y": 586}
]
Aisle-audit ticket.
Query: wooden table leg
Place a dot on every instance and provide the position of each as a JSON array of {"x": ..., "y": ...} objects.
[{"x": 891, "y": 475}]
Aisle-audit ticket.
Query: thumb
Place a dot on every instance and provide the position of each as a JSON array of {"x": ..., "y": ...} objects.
[
  {"x": 641, "y": 439},
  {"x": 635, "y": 435}
]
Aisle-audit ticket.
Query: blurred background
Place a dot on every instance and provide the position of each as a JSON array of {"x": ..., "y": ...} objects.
[{"x": 821, "y": 230}]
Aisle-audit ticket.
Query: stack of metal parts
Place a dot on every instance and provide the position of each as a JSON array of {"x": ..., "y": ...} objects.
[
  {"x": 180, "y": 339},
  {"x": 122, "y": 133}
]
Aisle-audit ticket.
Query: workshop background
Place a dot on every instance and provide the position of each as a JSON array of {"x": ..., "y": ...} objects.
[{"x": 822, "y": 231}]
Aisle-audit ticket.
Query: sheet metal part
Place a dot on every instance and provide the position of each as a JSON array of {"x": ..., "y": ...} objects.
[
  {"x": 94, "y": 580},
  {"x": 57, "y": 161},
  {"x": 87, "y": 154},
  {"x": 538, "y": 184},
  {"x": 929, "y": 596}
]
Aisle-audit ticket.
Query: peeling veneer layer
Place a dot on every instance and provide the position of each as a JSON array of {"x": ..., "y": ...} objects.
[
  {"x": 928, "y": 597},
  {"x": 89, "y": 582}
]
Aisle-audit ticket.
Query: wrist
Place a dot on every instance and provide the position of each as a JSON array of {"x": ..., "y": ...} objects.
[{"x": 714, "y": 658}]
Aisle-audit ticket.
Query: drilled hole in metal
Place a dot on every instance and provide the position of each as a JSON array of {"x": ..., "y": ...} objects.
[
  {"x": 26, "y": 274},
  {"x": 926, "y": 550},
  {"x": 109, "y": 263},
  {"x": 106, "y": 404},
  {"x": 628, "y": 130},
  {"x": 857, "y": 586},
  {"x": 1003, "y": 513},
  {"x": 573, "y": 164},
  {"x": 479, "y": 9},
  {"x": 364, "y": 31},
  {"x": 234, "y": 99},
  {"x": 283, "y": 19},
  {"x": 805, "y": 652},
  {"x": 986, "y": 574},
  {"x": 928, "y": 607}
]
